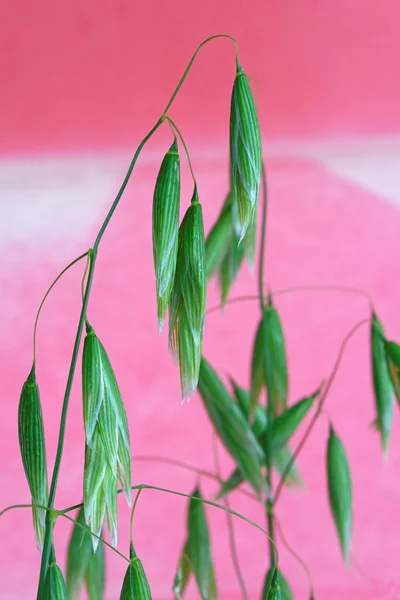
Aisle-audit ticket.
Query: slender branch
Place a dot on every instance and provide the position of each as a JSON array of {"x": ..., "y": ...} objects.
[
  {"x": 183, "y": 465},
  {"x": 295, "y": 555},
  {"x": 231, "y": 529},
  {"x": 45, "y": 298},
  {"x": 268, "y": 433},
  {"x": 291, "y": 290},
  {"x": 175, "y": 128},
  {"x": 186, "y": 72},
  {"x": 321, "y": 402},
  {"x": 85, "y": 274},
  {"x": 132, "y": 514}
]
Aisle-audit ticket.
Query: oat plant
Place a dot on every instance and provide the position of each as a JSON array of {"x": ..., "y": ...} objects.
[{"x": 254, "y": 423}]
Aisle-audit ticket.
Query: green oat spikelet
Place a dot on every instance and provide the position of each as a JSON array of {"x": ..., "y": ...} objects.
[
  {"x": 269, "y": 363},
  {"x": 54, "y": 585},
  {"x": 33, "y": 451},
  {"x": 232, "y": 428},
  {"x": 245, "y": 150},
  {"x": 381, "y": 383},
  {"x": 218, "y": 241},
  {"x": 340, "y": 491},
  {"x": 107, "y": 456},
  {"x": 392, "y": 353},
  {"x": 276, "y": 586},
  {"x": 166, "y": 202},
  {"x": 135, "y": 585},
  {"x": 199, "y": 550},
  {"x": 183, "y": 573},
  {"x": 83, "y": 564},
  {"x": 188, "y": 299}
]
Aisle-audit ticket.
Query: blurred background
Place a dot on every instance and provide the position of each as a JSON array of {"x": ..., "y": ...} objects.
[{"x": 81, "y": 84}]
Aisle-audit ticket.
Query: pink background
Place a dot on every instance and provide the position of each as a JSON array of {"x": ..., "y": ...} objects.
[{"x": 80, "y": 78}]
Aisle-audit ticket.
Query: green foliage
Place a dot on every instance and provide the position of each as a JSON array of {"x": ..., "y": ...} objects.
[
  {"x": 340, "y": 491},
  {"x": 199, "y": 549},
  {"x": 231, "y": 426},
  {"x": 188, "y": 299},
  {"x": 33, "y": 451},
  {"x": 135, "y": 585},
  {"x": 166, "y": 203},
  {"x": 83, "y": 564},
  {"x": 381, "y": 382}
]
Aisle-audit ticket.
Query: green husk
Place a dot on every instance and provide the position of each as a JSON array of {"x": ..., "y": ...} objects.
[
  {"x": 230, "y": 267},
  {"x": 245, "y": 150},
  {"x": 269, "y": 364},
  {"x": 107, "y": 457},
  {"x": 276, "y": 587},
  {"x": 83, "y": 564},
  {"x": 54, "y": 586},
  {"x": 135, "y": 585},
  {"x": 286, "y": 424},
  {"x": 232, "y": 427},
  {"x": 33, "y": 451},
  {"x": 392, "y": 353},
  {"x": 381, "y": 383},
  {"x": 280, "y": 458},
  {"x": 183, "y": 573},
  {"x": 340, "y": 491},
  {"x": 166, "y": 203},
  {"x": 218, "y": 241},
  {"x": 188, "y": 299},
  {"x": 199, "y": 550}
]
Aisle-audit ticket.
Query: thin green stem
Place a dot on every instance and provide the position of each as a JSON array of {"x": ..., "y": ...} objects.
[
  {"x": 45, "y": 298},
  {"x": 175, "y": 128},
  {"x": 132, "y": 515},
  {"x": 321, "y": 402},
  {"x": 193, "y": 469},
  {"x": 186, "y": 72},
  {"x": 8, "y": 508},
  {"x": 89, "y": 254},
  {"x": 291, "y": 290},
  {"x": 82, "y": 319},
  {"x": 269, "y": 505},
  {"x": 295, "y": 555},
  {"x": 231, "y": 528}
]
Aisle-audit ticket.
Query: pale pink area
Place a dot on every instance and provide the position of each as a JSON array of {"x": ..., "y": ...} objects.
[
  {"x": 321, "y": 230},
  {"x": 94, "y": 74}
]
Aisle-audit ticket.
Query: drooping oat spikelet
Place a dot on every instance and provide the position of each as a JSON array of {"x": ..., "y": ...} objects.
[
  {"x": 135, "y": 585},
  {"x": 245, "y": 150},
  {"x": 33, "y": 451},
  {"x": 199, "y": 548},
  {"x": 188, "y": 299},
  {"x": 232, "y": 428},
  {"x": 276, "y": 587},
  {"x": 183, "y": 572},
  {"x": 83, "y": 564},
  {"x": 382, "y": 384},
  {"x": 54, "y": 585},
  {"x": 165, "y": 228},
  {"x": 269, "y": 363},
  {"x": 107, "y": 458},
  {"x": 340, "y": 491}
]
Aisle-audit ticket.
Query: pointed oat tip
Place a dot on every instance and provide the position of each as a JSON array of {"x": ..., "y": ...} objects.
[{"x": 160, "y": 324}]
